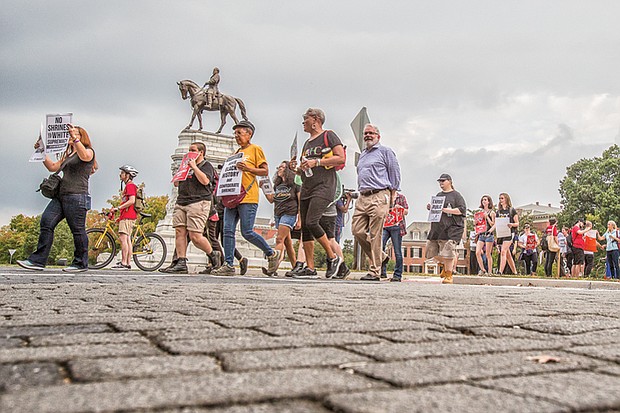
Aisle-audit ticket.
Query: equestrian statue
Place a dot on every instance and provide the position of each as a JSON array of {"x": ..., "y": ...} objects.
[{"x": 210, "y": 100}]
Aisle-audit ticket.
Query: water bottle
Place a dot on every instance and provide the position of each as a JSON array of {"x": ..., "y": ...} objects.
[
  {"x": 308, "y": 171},
  {"x": 449, "y": 206}
]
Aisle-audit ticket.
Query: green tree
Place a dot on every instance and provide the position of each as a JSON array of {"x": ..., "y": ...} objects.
[{"x": 591, "y": 189}]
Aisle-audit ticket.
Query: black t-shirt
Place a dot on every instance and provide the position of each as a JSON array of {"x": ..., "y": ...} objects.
[
  {"x": 507, "y": 213},
  {"x": 322, "y": 183},
  {"x": 285, "y": 199},
  {"x": 191, "y": 190},
  {"x": 451, "y": 226},
  {"x": 75, "y": 175}
]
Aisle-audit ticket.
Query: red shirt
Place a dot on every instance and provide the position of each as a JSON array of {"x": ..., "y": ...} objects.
[
  {"x": 578, "y": 241},
  {"x": 552, "y": 230},
  {"x": 128, "y": 213}
]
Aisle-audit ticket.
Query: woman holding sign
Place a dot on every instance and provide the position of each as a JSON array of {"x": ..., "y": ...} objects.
[
  {"x": 506, "y": 235},
  {"x": 73, "y": 201},
  {"x": 485, "y": 223}
]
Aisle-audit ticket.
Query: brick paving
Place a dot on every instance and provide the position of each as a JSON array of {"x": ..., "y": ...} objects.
[{"x": 134, "y": 342}]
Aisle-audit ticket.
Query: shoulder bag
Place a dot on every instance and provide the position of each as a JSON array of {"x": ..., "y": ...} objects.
[
  {"x": 552, "y": 244},
  {"x": 50, "y": 187}
]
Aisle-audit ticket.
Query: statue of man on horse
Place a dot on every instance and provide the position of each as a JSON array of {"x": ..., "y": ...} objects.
[{"x": 210, "y": 100}]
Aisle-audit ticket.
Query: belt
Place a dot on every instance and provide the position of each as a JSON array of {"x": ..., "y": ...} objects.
[{"x": 372, "y": 191}]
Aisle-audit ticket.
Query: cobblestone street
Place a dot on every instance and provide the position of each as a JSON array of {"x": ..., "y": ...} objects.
[{"x": 102, "y": 342}]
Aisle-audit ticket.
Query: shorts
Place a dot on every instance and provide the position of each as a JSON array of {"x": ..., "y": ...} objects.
[
  {"x": 486, "y": 237},
  {"x": 578, "y": 256},
  {"x": 329, "y": 226},
  {"x": 125, "y": 226},
  {"x": 193, "y": 216},
  {"x": 501, "y": 240},
  {"x": 296, "y": 234},
  {"x": 286, "y": 220},
  {"x": 441, "y": 248}
]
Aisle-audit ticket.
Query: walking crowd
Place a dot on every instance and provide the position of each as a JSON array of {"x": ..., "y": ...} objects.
[{"x": 309, "y": 205}]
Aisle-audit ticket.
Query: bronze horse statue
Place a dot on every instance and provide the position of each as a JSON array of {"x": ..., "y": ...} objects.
[{"x": 198, "y": 99}]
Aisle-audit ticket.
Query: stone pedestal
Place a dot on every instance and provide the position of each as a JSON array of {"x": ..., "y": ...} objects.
[{"x": 219, "y": 147}]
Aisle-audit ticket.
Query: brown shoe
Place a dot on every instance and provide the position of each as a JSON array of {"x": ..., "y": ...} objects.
[{"x": 447, "y": 278}]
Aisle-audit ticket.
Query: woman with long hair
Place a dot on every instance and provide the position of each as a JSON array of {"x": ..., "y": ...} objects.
[
  {"x": 612, "y": 236},
  {"x": 484, "y": 246},
  {"x": 285, "y": 210},
  {"x": 72, "y": 203},
  {"x": 505, "y": 210}
]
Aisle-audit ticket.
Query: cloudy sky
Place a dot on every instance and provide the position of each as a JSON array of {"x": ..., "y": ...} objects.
[{"x": 503, "y": 95}]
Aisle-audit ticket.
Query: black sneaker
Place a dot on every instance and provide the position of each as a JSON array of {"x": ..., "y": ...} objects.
[
  {"x": 342, "y": 272},
  {"x": 370, "y": 277},
  {"x": 395, "y": 280},
  {"x": 207, "y": 270},
  {"x": 243, "y": 266},
  {"x": 306, "y": 273},
  {"x": 298, "y": 267},
  {"x": 333, "y": 266}
]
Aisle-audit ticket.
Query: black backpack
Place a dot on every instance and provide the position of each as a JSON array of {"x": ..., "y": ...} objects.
[{"x": 544, "y": 245}]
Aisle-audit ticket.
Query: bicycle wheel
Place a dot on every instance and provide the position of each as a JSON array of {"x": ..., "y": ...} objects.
[
  {"x": 149, "y": 252},
  {"x": 101, "y": 248}
]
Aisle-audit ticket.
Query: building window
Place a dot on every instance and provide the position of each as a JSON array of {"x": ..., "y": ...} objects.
[
  {"x": 415, "y": 235},
  {"x": 461, "y": 254},
  {"x": 416, "y": 269},
  {"x": 416, "y": 252},
  {"x": 404, "y": 252}
]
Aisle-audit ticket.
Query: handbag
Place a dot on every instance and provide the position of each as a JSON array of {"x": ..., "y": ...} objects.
[
  {"x": 552, "y": 244},
  {"x": 50, "y": 187},
  {"x": 233, "y": 201}
]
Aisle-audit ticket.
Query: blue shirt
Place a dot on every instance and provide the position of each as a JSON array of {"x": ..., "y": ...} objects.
[
  {"x": 378, "y": 169},
  {"x": 611, "y": 243}
]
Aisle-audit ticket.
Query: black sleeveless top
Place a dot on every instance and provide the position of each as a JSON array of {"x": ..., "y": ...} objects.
[{"x": 75, "y": 175}]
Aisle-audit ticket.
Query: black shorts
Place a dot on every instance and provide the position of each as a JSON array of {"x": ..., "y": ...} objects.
[
  {"x": 296, "y": 233},
  {"x": 329, "y": 226},
  {"x": 578, "y": 256}
]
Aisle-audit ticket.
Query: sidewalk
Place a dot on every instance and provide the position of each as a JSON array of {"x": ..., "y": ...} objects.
[{"x": 140, "y": 342}]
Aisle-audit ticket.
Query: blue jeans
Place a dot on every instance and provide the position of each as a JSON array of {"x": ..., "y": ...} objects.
[
  {"x": 614, "y": 267},
  {"x": 246, "y": 213},
  {"x": 73, "y": 208},
  {"x": 394, "y": 234}
]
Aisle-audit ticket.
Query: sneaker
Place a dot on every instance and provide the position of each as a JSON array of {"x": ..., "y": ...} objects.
[
  {"x": 273, "y": 262},
  {"x": 370, "y": 277},
  {"x": 243, "y": 266},
  {"x": 481, "y": 272},
  {"x": 172, "y": 264},
  {"x": 208, "y": 269},
  {"x": 179, "y": 268},
  {"x": 119, "y": 266},
  {"x": 298, "y": 267},
  {"x": 342, "y": 272},
  {"x": 306, "y": 273},
  {"x": 225, "y": 269},
  {"x": 383, "y": 275},
  {"x": 395, "y": 280},
  {"x": 29, "y": 265},
  {"x": 333, "y": 266},
  {"x": 385, "y": 260},
  {"x": 74, "y": 268}
]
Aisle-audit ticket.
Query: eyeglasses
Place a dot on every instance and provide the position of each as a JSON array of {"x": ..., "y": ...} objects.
[{"x": 370, "y": 133}]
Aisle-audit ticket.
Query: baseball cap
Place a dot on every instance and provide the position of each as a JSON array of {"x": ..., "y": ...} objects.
[
  {"x": 445, "y": 177},
  {"x": 245, "y": 124}
]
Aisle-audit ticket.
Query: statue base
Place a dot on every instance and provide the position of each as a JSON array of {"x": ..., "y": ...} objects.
[{"x": 219, "y": 147}]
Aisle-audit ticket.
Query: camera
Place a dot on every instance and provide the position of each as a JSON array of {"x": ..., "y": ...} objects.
[{"x": 352, "y": 193}]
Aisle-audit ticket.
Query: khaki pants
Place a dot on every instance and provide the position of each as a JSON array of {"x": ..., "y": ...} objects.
[{"x": 367, "y": 226}]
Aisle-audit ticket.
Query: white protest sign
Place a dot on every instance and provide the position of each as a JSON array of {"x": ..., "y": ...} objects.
[
  {"x": 39, "y": 154},
  {"x": 502, "y": 229},
  {"x": 57, "y": 132},
  {"x": 265, "y": 184},
  {"x": 230, "y": 178},
  {"x": 434, "y": 215}
]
